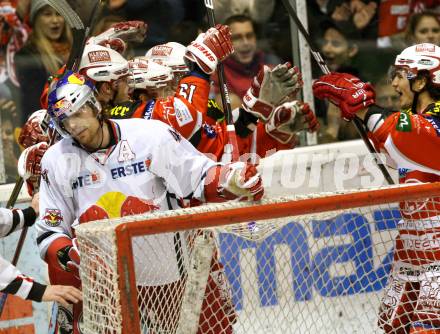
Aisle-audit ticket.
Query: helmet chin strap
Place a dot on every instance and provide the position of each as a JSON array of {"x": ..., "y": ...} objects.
[{"x": 415, "y": 98}]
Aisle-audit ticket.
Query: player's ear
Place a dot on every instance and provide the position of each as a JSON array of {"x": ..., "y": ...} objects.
[{"x": 419, "y": 84}]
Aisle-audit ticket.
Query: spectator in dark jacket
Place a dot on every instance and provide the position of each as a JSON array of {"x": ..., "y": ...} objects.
[{"x": 47, "y": 49}]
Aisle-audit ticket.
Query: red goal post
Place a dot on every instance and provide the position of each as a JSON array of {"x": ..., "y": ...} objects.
[{"x": 120, "y": 257}]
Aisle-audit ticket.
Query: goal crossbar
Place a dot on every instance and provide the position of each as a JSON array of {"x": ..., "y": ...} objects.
[{"x": 267, "y": 209}]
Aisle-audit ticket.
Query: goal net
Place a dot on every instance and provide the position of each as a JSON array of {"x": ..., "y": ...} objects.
[{"x": 308, "y": 264}]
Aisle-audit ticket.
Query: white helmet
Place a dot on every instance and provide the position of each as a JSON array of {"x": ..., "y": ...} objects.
[
  {"x": 102, "y": 64},
  {"x": 420, "y": 57},
  {"x": 67, "y": 95},
  {"x": 170, "y": 54},
  {"x": 144, "y": 74}
]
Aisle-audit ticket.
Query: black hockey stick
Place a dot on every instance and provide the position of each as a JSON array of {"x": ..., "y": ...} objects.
[
  {"x": 224, "y": 91},
  {"x": 324, "y": 68}
]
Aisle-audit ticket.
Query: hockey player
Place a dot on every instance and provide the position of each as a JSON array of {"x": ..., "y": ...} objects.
[
  {"x": 410, "y": 138},
  {"x": 12, "y": 281},
  {"x": 109, "y": 168},
  {"x": 205, "y": 124}
]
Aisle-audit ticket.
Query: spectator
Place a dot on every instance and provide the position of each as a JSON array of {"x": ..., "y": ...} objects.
[
  {"x": 355, "y": 16},
  {"x": 339, "y": 48},
  {"x": 245, "y": 62},
  {"x": 386, "y": 96},
  {"x": 259, "y": 11},
  {"x": 9, "y": 145},
  {"x": 423, "y": 27},
  {"x": 340, "y": 51},
  {"x": 393, "y": 20},
  {"x": 47, "y": 49}
]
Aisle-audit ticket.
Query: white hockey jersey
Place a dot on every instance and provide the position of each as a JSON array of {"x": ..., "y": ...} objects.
[
  {"x": 11, "y": 279},
  {"x": 148, "y": 168}
]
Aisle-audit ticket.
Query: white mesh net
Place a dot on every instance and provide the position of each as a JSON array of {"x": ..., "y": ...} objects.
[{"x": 315, "y": 273}]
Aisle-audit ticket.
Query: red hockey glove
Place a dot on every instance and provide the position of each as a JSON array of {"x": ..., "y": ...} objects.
[
  {"x": 32, "y": 132},
  {"x": 270, "y": 87},
  {"x": 74, "y": 256},
  {"x": 130, "y": 31},
  {"x": 116, "y": 44},
  {"x": 288, "y": 119},
  {"x": 346, "y": 91},
  {"x": 210, "y": 48},
  {"x": 29, "y": 165}
]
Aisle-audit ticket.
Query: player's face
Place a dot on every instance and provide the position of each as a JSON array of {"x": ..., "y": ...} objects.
[
  {"x": 50, "y": 22},
  {"x": 244, "y": 42},
  {"x": 336, "y": 49},
  {"x": 427, "y": 31},
  {"x": 84, "y": 127},
  {"x": 402, "y": 87}
]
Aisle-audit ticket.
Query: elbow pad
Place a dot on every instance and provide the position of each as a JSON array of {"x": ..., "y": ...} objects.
[{"x": 375, "y": 117}]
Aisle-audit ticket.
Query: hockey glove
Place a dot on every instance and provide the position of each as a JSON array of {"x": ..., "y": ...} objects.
[
  {"x": 119, "y": 33},
  {"x": 239, "y": 180},
  {"x": 288, "y": 119},
  {"x": 74, "y": 256},
  {"x": 210, "y": 48},
  {"x": 346, "y": 91},
  {"x": 32, "y": 131},
  {"x": 270, "y": 87},
  {"x": 69, "y": 258},
  {"x": 29, "y": 165}
]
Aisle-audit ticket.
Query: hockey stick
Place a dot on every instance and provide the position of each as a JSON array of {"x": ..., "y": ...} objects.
[
  {"x": 196, "y": 282},
  {"x": 324, "y": 68},
  {"x": 232, "y": 146}
]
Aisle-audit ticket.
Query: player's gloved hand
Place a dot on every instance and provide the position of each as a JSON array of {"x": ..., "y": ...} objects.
[
  {"x": 130, "y": 31},
  {"x": 119, "y": 33},
  {"x": 210, "y": 48},
  {"x": 288, "y": 119},
  {"x": 69, "y": 258},
  {"x": 74, "y": 256},
  {"x": 270, "y": 87},
  {"x": 346, "y": 91},
  {"x": 116, "y": 44},
  {"x": 240, "y": 180},
  {"x": 32, "y": 131},
  {"x": 29, "y": 165}
]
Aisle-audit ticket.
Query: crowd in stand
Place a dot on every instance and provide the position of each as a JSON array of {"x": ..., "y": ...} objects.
[{"x": 352, "y": 36}]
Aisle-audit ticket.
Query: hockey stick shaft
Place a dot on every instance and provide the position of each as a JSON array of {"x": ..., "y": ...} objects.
[
  {"x": 224, "y": 92},
  {"x": 324, "y": 68}
]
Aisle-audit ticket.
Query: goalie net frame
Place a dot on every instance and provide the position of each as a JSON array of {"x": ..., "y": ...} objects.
[{"x": 212, "y": 216}]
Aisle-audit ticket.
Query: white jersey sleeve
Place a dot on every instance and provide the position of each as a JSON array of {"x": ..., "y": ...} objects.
[
  {"x": 179, "y": 164},
  {"x": 56, "y": 201},
  {"x": 11, "y": 279}
]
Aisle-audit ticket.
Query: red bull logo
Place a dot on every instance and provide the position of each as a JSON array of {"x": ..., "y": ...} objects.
[
  {"x": 76, "y": 79},
  {"x": 61, "y": 107},
  {"x": 53, "y": 217}
]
